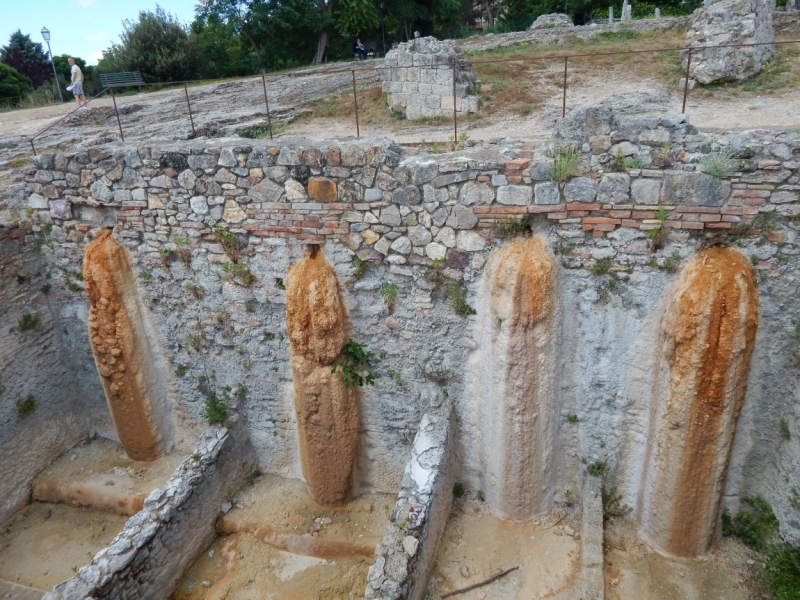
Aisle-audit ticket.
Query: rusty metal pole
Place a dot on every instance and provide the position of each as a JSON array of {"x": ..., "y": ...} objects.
[
  {"x": 266, "y": 101},
  {"x": 686, "y": 81},
  {"x": 119, "y": 123},
  {"x": 455, "y": 111},
  {"x": 355, "y": 101},
  {"x": 189, "y": 104},
  {"x": 564, "y": 97},
  {"x": 33, "y": 148}
]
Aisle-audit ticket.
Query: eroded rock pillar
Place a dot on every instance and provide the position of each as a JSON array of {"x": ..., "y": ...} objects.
[
  {"x": 706, "y": 342},
  {"x": 517, "y": 321},
  {"x": 135, "y": 387},
  {"x": 327, "y": 411}
]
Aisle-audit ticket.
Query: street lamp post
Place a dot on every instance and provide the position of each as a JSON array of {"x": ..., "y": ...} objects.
[
  {"x": 383, "y": 32},
  {"x": 46, "y": 36}
]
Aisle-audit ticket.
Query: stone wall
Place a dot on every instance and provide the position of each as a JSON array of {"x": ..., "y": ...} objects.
[
  {"x": 408, "y": 552},
  {"x": 420, "y": 81},
  {"x": 43, "y": 407},
  {"x": 400, "y": 209},
  {"x": 176, "y": 524}
]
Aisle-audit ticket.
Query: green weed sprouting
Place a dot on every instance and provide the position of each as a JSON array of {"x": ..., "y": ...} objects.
[
  {"x": 457, "y": 300},
  {"x": 566, "y": 160},
  {"x": 239, "y": 273},
  {"x": 718, "y": 165},
  {"x": 28, "y": 321},
  {"x": 25, "y": 407},
  {"x": 388, "y": 292},
  {"x": 511, "y": 227},
  {"x": 355, "y": 363}
]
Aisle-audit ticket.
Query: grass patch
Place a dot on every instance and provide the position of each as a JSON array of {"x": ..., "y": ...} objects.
[
  {"x": 755, "y": 524},
  {"x": 389, "y": 294},
  {"x": 566, "y": 161},
  {"x": 511, "y": 227},
  {"x": 28, "y": 321},
  {"x": 719, "y": 165},
  {"x": 458, "y": 301}
]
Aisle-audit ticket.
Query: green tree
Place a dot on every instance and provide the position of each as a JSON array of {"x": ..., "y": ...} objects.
[
  {"x": 354, "y": 17},
  {"x": 12, "y": 83},
  {"x": 27, "y": 57},
  {"x": 157, "y": 45}
]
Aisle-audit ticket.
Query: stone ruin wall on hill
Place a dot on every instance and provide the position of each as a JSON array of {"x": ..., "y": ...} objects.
[{"x": 400, "y": 210}]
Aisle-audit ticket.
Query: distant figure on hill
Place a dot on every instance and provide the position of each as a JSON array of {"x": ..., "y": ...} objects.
[
  {"x": 361, "y": 49},
  {"x": 77, "y": 83},
  {"x": 417, "y": 35}
]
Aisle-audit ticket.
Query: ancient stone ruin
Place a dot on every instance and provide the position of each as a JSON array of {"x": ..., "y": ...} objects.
[
  {"x": 552, "y": 20},
  {"x": 419, "y": 81},
  {"x": 730, "y": 22}
]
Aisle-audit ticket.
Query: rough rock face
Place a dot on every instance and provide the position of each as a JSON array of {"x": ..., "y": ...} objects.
[
  {"x": 707, "y": 339},
  {"x": 327, "y": 411},
  {"x": 730, "y": 22},
  {"x": 551, "y": 21},
  {"x": 421, "y": 88},
  {"x": 135, "y": 387},
  {"x": 517, "y": 371}
]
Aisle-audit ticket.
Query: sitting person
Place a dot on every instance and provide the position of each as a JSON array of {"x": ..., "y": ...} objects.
[{"x": 361, "y": 50}]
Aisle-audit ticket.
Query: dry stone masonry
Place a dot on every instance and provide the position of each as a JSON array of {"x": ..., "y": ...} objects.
[
  {"x": 722, "y": 22},
  {"x": 419, "y": 79}
]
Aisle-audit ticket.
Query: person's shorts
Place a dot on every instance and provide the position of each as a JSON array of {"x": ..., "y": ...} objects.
[{"x": 77, "y": 89}]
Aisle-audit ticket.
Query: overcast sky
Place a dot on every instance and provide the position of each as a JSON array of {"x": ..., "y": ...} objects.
[{"x": 83, "y": 28}]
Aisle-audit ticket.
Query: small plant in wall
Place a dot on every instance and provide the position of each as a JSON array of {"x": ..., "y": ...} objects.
[
  {"x": 25, "y": 407},
  {"x": 656, "y": 238},
  {"x": 215, "y": 409},
  {"x": 355, "y": 364},
  {"x": 230, "y": 245},
  {"x": 568, "y": 497},
  {"x": 718, "y": 164},
  {"x": 434, "y": 273},
  {"x": 239, "y": 273},
  {"x": 458, "y": 301},
  {"x": 510, "y": 228},
  {"x": 566, "y": 161},
  {"x": 182, "y": 250},
  {"x": 196, "y": 290},
  {"x": 28, "y": 321},
  {"x": 389, "y": 294},
  {"x": 360, "y": 268}
]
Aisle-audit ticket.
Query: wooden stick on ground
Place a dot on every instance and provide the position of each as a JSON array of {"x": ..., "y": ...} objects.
[{"x": 481, "y": 584}]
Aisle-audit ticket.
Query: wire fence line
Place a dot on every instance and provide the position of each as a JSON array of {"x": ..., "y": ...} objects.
[{"x": 453, "y": 65}]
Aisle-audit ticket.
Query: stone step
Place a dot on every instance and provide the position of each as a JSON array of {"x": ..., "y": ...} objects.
[
  {"x": 12, "y": 591},
  {"x": 99, "y": 475}
]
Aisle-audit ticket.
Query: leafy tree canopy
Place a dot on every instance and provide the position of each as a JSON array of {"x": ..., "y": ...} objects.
[
  {"x": 27, "y": 57},
  {"x": 157, "y": 45},
  {"x": 12, "y": 83}
]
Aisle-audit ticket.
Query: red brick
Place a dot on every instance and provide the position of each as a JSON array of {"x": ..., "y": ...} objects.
[
  {"x": 587, "y": 227},
  {"x": 698, "y": 209},
  {"x": 579, "y": 213},
  {"x": 557, "y": 215},
  {"x": 731, "y": 211},
  {"x": 581, "y": 206},
  {"x": 754, "y": 201},
  {"x": 518, "y": 163},
  {"x": 526, "y": 153},
  {"x": 693, "y": 225},
  {"x": 774, "y": 236},
  {"x": 619, "y": 214},
  {"x": 690, "y": 217},
  {"x": 604, "y": 227},
  {"x": 509, "y": 210},
  {"x": 481, "y": 210},
  {"x": 673, "y": 224},
  {"x": 630, "y": 223},
  {"x": 642, "y": 214},
  {"x": 514, "y": 179},
  {"x": 710, "y": 218},
  {"x": 597, "y": 233},
  {"x": 718, "y": 225},
  {"x": 484, "y": 178},
  {"x": 539, "y": 209},
  {"x": 602, "y": 221}
]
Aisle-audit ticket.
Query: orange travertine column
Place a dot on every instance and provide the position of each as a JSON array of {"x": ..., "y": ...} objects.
[
  {"x": 517, "y": 321},
  {"x": 134, "y": 387},
  {"x": 706, "y": 341},
  {"x": 327, "y": 411}
]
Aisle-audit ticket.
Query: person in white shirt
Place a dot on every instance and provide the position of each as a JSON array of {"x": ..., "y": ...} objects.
[{"x": 77, "y": 83}]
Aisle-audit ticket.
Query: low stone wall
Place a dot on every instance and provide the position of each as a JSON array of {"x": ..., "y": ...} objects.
[
  {"x": 158, "y": 544},
  {"x": 408, "y": 552},
  {"x": 421, "y": 82}
]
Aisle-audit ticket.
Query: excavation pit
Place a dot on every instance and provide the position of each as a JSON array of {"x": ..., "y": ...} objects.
[{"x": 277, "y": 542}]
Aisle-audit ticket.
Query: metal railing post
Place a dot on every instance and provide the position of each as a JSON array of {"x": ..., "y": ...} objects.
[
  {"x": 455, "y": 108},
  {"x": 686, "y": 81},
  {"x": 564, "y": 97},
  {"x": 189, "y": 104},
  {"x": 119, "y": 123},
  {"x": 355, "y": 101},
  {"x": 266, "y": 101}
]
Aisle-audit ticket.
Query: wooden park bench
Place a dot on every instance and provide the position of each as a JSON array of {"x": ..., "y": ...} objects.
[{"x": 127, "y": 79}]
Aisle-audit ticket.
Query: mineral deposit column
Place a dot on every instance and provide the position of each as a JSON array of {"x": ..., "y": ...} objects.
[
  {"x": 135, "y": 386},
  {"x": 327, "y": 410},
  {"x": 517, "y": 322},
  {"x": 706, "y": 341}
]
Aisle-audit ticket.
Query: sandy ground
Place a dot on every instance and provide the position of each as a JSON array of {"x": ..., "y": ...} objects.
[
  {"x": 634, "y": 572},
  {"x": 44, "y": 544},
  {"x": 477, "y": 545},
  {"x": 278, "y": 544},
  {"x": 99, "y": 474}
]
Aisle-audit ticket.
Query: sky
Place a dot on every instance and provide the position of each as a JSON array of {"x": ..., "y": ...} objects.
[{"x": 83, "y": 28}]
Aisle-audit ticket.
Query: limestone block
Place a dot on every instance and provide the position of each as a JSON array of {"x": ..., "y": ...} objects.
[
  {"x": 233, "y": 212},
  {"x": 401, "y": 245},
  {"x": 546, "y": 193},
  {"x": 461, "y": 217},
  {"x": 266, "y": 191},
  {"x": 654, "y": 137},
  {"x": 447, "y": 236},
  {"x": 419, "y": 236},
  {"x": 60, "y": 209},
  {"x": 478, "y": 193},
  {"x": 406, "y": 195},
  {"x": 391, "y": 216},
  {"x": 471, "y": 241},
  {"x": 435, "y": 251},
  {"x": 515, "y": 195},
  {"x": 199, "y": 205},
  {"x": 782, "y": 197},
  {"x": 580, "y": 189},
  {"x": 227, "y": 158},
  {"x": 694, "y": 189},
  {"x": 36, "y": 201},
  {"x": 613, "y": 188},
  {"x": 645, "y": 191}
]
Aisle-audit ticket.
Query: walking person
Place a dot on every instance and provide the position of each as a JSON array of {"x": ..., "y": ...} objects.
[{"x": 76, "y": 87}]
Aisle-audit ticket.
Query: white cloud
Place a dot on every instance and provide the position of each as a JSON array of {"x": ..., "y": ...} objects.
[
  {"x": 94, "y": 57},
  {"x": 97, "y": 37}
]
